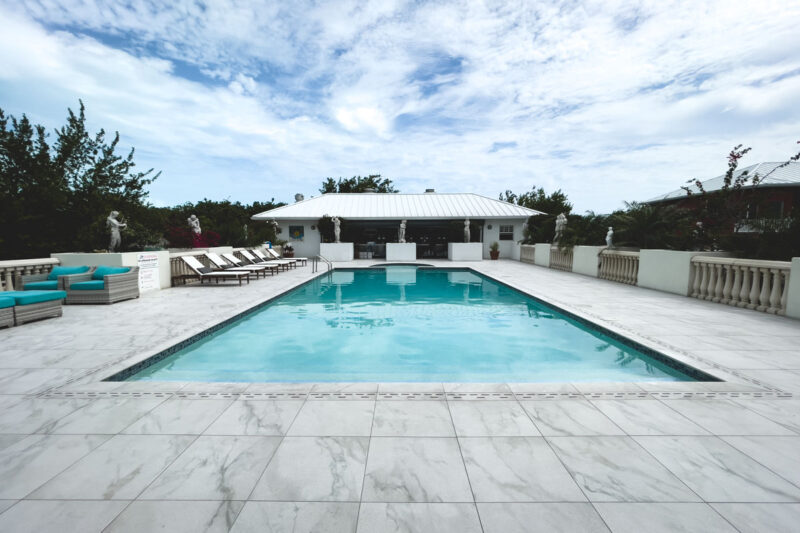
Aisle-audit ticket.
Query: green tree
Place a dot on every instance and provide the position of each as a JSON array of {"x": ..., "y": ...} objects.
[
  {"x": 540, "y": 228},
  {"x": 371, "y": 183}
]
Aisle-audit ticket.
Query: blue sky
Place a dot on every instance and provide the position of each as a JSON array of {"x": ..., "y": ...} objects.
[{"x": 608, "y": 101}]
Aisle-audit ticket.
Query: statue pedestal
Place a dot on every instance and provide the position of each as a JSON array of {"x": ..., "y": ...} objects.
[
  {"x": 465, "y": 251},
  {"x": 154, "y": 267},
  {"x": 401, "y": 251},
  {"x": 336, "y": 251}
]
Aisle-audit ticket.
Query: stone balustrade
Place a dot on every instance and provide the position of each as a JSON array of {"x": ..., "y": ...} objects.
[
  {"x": 749, "y": 283},
  {"x": 619, "y": 266},
  {"x": 527, "y": 253},
  {"x": 561, "y": 259},
  {"x": 11, "y": 271}
]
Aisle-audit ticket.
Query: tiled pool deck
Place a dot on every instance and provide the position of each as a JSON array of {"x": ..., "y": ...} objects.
[{"x": 79, "y": 454}]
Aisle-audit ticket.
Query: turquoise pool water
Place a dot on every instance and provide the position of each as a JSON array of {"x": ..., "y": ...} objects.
[{"x": 408, "y": 324}]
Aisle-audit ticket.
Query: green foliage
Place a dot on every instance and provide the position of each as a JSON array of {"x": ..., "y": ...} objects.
[
  {"x": 325, "y": 227},
  {"x": 371, "y": 183},
  {"x": 648, "y": 226},
  {"x": 540, "y": 228},
  {"x": 495, "y": 246}
]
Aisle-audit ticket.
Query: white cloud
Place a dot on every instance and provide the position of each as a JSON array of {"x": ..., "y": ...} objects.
[{"x": 609, "y": 101}]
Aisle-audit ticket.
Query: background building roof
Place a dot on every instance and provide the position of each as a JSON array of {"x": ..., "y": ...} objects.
[
  {"x": 781, "y": 177},
  {"x": 376, "y": 206}
]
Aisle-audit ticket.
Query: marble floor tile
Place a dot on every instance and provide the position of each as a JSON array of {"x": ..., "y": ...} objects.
[
  {"x": 516, "y": 469},
  {"x": 784, "y": 412},
  {"x": 269, "y": 388},
  {"x": 178, "y": 416},
  {"x": 37, "y": 415},
  {"x": 106, "y": 416},
  {"x": 315, "y": 469},
  {"x": 543, "y": 388},
  {"x": 412, "y": 419},
  {"x": 663, "y": 518},
  {"x": 410, "y": 387},
  {"x": 761, "y": 517},
  {"x": 334, "y": 418},
  {"x": 8, "y": 440},
  {"x": 647, "y": 417},
  {"x": 297, "y": 517},
  {"x": 214, "y": 468},
  {"x": 215, "y": 387},
  {"x": 60, "y": 516},
  {"x": 477, "y": 387},
  {"x": 418, "y": 518},
  {"x": 617, "y": 469},
  {"x": 717, "y": 471},
  {"x": 403, "y": 469},
  {"x": 256, "y": 417},
  {"x": 779, "y": 454},
  {"x": 549, "y": 517},
  {"x": 491, "y": 419},
  {"x": 33, "y": 380},
  {"x": 725, "y": 417},
  {"x": 570, "y": 418},
  {"x": 786, "y": 380},
  {"x": 177, "y": 517},
  {"x": 32, "y": 461},
  {"x": 345, "y": 387},
  {"x": 5, "y": 504},
  {"x": 117, "y": 470}
]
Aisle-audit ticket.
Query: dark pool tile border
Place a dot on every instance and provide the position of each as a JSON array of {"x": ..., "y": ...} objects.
[{"x": 690, "y": 371}]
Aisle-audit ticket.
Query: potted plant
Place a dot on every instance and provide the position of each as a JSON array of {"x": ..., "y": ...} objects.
[
  {"x": 494, "y": 250},
  {"x": 288, "y": 250}
]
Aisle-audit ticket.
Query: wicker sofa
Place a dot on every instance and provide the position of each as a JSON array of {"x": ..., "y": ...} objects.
[
  {"x": 104, "y": 285},
  {"x": 32, "y": 305},
  {"x": 6, "y": 311},
  {"x": 49, "y": 281}
]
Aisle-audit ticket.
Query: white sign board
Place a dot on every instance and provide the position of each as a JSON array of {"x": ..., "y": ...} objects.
[{"x": 148, "y": 272}]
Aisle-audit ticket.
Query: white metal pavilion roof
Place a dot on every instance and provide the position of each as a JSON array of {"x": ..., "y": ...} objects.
[
  {"x": 780, "y": 177},
  {"x": 395, "y": 206}
]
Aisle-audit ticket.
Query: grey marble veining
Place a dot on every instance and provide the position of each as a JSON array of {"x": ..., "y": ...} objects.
[
  {"x": 256, "y": 417},
  {"x": 33, "y": 380},
  {"x": 647, "y": 417},
  {"x": 315, "y": 469},
  {"x": 717, "y": 471},
  {"x": 106, "y": 416},
  {"x": 418, "y": 518},
  {"x": 36, "y": 415},
  {"x": 725, "y": 417},
  {"x": 570, "y": 418},
  {"x": 663, "y": 518},
  {"x": 783, "y": 411},
  {"x": 617, "y": 469},
  {"x": 117, "y": 470},
  {"x": 214, "y": 468},
  {"x": 334, "y": 418},
  {"x": 779, "y": 454},
  {"x": 297, "y": 517},
  {"x": 516, "y": 469},
  {"x": 177, "y": 517},
  {"x": 549, "y": 517},
  {"x": 412, "y": 419},
  {"x": 178, "y": 416},
  {"x": 491, "y": 419},
  {"x": 761, "y": 517},
  {"x": 60, "y": 516},
  {"x": 409, "y": 469}
]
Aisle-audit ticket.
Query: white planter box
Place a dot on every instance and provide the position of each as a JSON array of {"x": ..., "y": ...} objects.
[
  {"x": 669, "y": 270},
  {"x": 465, "y": 251},
  {"x": 336, "y": 251},
  {"x": 154, "y": 268},
  {"x": 585, "y": 260},
  {"x": 541, "y": 255},
  {"x": 401, "y": 251}
]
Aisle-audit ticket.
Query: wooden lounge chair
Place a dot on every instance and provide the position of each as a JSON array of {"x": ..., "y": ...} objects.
[
  {"x": 285, "y": 263},
  {"x": 203, "y": 272},
  {"x": 274, "y": 254},
  {"x": 103, "y": 285},
  {"x": 223, "y": 265},
  {"x": 272, "y": 269}
]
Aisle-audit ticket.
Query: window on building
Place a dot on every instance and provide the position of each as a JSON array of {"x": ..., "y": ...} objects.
[{"x": 507, "y": 233}]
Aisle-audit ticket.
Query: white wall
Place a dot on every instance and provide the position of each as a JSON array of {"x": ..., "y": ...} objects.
[
  {"x": 668, "y": 270},
  {"x": 508, "y": 249},
  {"x": 793, "y": 300},
  {"x": 309, "y": 246},
  {"x": 541, "y": 254},
  {"x": 585, "y": 260}
]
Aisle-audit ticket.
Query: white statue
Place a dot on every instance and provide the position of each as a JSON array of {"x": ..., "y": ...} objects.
[
  {"x": 561, "y": 224},
  {"x": 466, "y": 230},
  {"x": 194, "y": 224},
  {"x": 610, "y": 237},
  {"x": 114, "y": 227},
  {"x": 401, "y": 235},
  {"x": 337, "y": 229}
]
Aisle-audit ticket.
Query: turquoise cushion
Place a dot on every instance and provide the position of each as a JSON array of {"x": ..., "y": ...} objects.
[
  {"x": 35, "y": 297},
  {"x": 66, "y": 271},
  {"x": 106, "y": 271},
  {"x": 41, "y": 286},
  {"x": 94, "y": 285},
  {"x": 6, "y": 301}
]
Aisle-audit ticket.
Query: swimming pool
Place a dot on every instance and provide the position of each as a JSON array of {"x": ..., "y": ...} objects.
[{"x": 410, "y": 324}]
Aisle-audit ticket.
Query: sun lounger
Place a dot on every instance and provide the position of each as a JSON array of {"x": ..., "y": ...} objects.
[
  {"x": 285, "y": 263},
  {"x": 273, "y": 269},
  {"x": 203, "y": 272},
  {"x": 274, "y": 254},
  {"x": 224, "y": 265},
  {"x": 103, "y": 285},
  {"x": 33, "y": 305}
]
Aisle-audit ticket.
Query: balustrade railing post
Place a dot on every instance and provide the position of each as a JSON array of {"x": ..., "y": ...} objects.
[{"x": 755, "y": 289}]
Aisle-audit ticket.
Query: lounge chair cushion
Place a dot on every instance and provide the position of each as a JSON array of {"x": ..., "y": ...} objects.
[
  {"x": 94, "y": 285},
  {"x": 6, "y": 301},
  {"x": 41, "y": 286},
  {"x": 34, "y": 297},
  {"x": 66, "y": 271},
  {"x": 107, "y": 271},
  {"x": 205, "y": 270}
]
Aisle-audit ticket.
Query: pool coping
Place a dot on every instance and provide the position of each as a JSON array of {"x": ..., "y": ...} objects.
[{"x": 86, "y": 384}]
